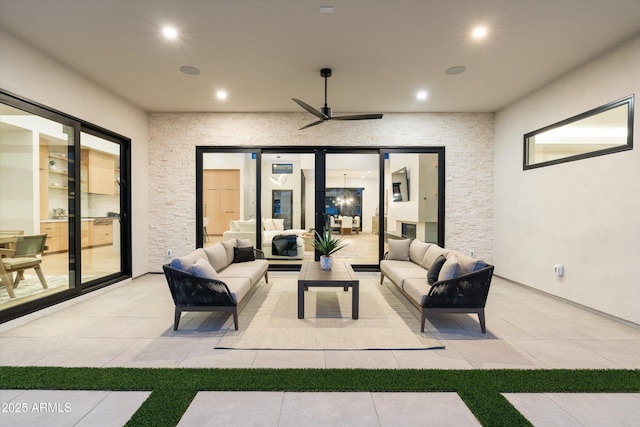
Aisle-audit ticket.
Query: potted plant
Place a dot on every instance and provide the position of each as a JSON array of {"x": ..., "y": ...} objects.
[
  {"x": 327, "y": 245},
  {"x": 52, "y": 164}
]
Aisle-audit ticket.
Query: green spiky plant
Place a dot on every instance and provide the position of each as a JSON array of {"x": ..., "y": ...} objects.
[{"x": 326, "y": 244}]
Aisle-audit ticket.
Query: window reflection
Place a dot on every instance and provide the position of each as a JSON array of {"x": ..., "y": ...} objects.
[{"x": 607, "y": 129}]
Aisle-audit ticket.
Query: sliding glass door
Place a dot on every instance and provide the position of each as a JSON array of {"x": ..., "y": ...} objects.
[
  {"x": 100, "y": 188},
  {"x": 287, "y": 206},
  {"x": 63, "y": 207},
  {"x": 366, "y": 196},
  {"x": 352, "y": 204}
]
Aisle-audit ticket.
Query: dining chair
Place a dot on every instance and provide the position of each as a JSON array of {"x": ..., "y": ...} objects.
[
  {"x": 25, "y": 253},
  {"x": 346, "y": 224}
]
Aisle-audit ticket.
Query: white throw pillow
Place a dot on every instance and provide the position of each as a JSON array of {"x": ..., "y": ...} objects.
[
  {"x": 278, "y": 223},
  {"x": 202, "y": 268},
  {"x": 267, "y": 224}
]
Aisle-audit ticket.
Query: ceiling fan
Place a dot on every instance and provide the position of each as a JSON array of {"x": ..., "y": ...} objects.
[{"x": 325, "y": 112}]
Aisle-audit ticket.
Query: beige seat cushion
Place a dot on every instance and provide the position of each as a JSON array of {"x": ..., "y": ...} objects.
[
  {"x": 399, "y": 271},
  {"x": 253, "y": 270},
  {"x": 238, "y": 286},
  {"x": 416, "y": 289}
]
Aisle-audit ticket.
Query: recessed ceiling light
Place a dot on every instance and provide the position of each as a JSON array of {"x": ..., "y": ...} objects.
[
  {"x": 221, "y": 95},
  {"x": 170, "y": 33},
  {"x": 326, "y": 9},
  {"x": 456, "y": 69},
  {"x": 421, "y": 95},
  {"x": 188, "y": 69},
  {"x": 479, "y": 32}
]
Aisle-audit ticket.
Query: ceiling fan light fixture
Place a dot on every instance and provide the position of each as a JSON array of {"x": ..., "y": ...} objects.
[{"x": 324, "y": 114}]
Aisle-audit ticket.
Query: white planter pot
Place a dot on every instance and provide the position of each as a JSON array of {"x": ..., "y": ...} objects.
[{"x": 326, "y": 262}]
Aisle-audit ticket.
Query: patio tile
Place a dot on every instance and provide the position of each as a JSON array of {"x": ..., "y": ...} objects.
[
  {"x": 217, "y": 408},
  {"x": 578, "y": 409},
  {"x": 29, "y": 351},
  {"x": 491, "y": 354},
  {"x": 52, "y": 408},
  {"x": 448, "y": 358},
  {"x": 289, "y": 359},
  {"x": 399, "y": 409},
  {"x": 204, "y": 355},
  {"x": 154, "y": 353},
  {"x": 564, "y": 354},
  {"x": 328, "y": 409},
  {"x": 624, "y": 353},
  {"x": 87, "y": 352}
]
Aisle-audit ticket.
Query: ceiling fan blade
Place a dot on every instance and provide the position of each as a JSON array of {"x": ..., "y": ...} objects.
[
  {"x": 310, "y": 109},
  {"x": 358, "y": 117},
  {"x": 312, "y": 124}
]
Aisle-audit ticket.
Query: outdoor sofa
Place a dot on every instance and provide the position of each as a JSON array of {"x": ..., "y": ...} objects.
[
  {"x": 221, "y": 277},
  {"x": 435, "y": 279}
]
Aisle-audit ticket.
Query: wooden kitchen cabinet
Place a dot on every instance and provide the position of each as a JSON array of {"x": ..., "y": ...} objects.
[
  {"x": 57, "y": 235},
  {"x": 98, "y": 169},
  {"x": 86, "y": 234},
  {"x": 102, "y": 233}
]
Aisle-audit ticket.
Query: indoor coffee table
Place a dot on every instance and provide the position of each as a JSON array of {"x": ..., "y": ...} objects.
[{"x": 340, "y": 276}]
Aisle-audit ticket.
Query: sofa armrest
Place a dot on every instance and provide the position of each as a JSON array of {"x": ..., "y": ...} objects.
[
  {"x": 189, "y": 290},
  {"x": 466, "y": 291}
]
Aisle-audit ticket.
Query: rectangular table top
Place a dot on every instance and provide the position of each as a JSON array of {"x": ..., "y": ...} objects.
[{"x": 341, "y": 272}]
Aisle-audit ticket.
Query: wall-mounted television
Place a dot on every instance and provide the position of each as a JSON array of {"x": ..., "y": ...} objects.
[{"x": 400, "y": 185}]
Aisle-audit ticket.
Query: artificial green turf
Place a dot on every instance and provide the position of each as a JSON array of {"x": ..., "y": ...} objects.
[{"x": 174, "y": 389}]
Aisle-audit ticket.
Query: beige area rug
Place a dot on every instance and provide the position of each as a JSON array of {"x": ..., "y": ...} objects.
[
  {"x": 31, "y": 286},
  {"x": 270, "y": 320}
]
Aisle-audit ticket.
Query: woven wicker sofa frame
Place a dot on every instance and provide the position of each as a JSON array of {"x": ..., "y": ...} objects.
[
  {"x": 464, "y": 294},
  {"x": 193, "y": 293}
]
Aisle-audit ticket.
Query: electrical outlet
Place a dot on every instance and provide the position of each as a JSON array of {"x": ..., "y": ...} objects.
[
  {"x": 472, "y": 253},
  {"x": 169, "y": 252}
]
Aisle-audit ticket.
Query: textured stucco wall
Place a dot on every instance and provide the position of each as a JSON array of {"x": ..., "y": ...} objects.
[{"x": 468, "y": 138}]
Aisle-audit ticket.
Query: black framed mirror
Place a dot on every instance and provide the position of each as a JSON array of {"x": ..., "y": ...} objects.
[{"x": 603, "y": 130}]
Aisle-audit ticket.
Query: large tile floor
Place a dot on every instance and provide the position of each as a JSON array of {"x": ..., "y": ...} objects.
[{"x": 131, "y": 325}]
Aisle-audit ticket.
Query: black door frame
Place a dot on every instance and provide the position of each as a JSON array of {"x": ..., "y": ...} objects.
[{"x": 76, "y": 287}]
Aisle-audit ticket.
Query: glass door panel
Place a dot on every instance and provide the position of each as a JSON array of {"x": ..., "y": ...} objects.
[
  {"x": 229, "y": 197},
  {"x": 287, "y": 206},
  {"x": 411, "y": 197},
  {"x": 351, "y": 204},
  {"x": 100, "y": 182},
  {"x": 36, "y": 167}
]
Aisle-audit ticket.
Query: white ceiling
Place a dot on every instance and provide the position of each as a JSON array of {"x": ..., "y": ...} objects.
[{"x": 264, "y": 52}]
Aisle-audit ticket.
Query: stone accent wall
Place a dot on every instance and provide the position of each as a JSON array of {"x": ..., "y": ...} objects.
[{"x": 468, "y": 138}]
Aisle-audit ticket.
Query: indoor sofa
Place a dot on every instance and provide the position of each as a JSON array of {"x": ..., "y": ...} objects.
[
  {"x": 435, "y": 279},
  {"x": 221, "y": 277}
]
